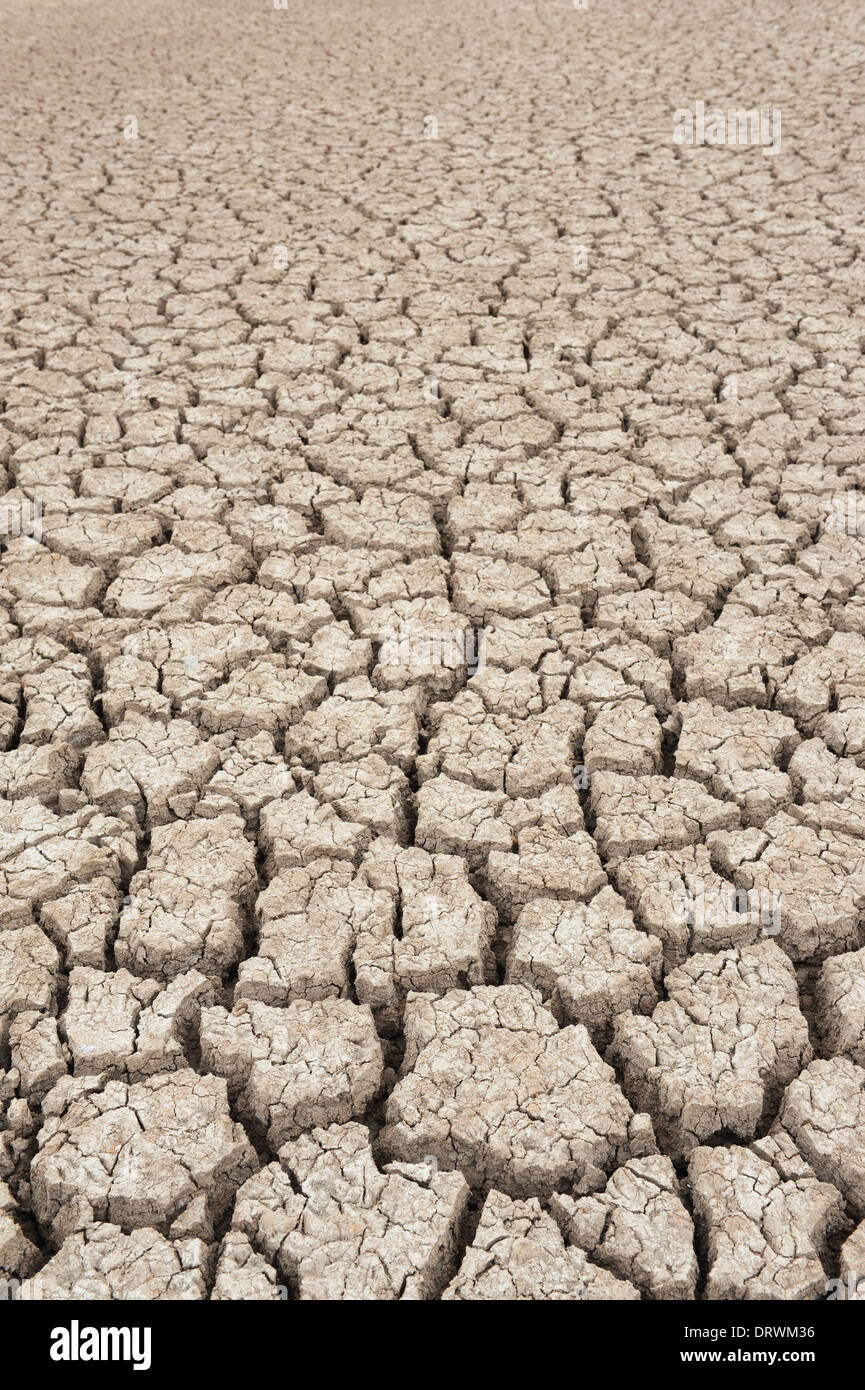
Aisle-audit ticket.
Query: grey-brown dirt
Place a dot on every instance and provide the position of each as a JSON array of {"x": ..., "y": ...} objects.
[{"x": 432, "y": 683}]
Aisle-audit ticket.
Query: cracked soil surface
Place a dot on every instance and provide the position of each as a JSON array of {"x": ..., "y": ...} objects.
[{"x": 432, "y": 652}]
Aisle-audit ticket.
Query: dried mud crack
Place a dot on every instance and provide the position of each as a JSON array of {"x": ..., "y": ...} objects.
[{"x": 432, "y": 651}]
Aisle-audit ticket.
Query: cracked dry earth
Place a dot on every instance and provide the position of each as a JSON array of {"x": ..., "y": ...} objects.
[{"x": 432, "y": 693}]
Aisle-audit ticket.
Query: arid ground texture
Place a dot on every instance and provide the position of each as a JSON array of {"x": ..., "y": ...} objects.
[{"x": 432, "y": 650}]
